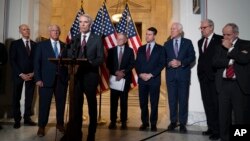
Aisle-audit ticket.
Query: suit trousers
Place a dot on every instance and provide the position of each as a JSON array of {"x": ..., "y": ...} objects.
[
  {"x": 85, "y": 83},
  {"x": 114, "y": 97},
  {"x": 45, "y": 96},
  {"x": 152, "y": 91},
  {"x": 231, "y": 100},
  {"x": 17, "y": 94},
  {"x": 210, "y": 103},
  {"x": 178, "y": 92}
]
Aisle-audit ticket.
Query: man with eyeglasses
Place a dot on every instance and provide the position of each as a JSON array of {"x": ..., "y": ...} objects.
[
  {"x": 232, "y": 61},
  {"x": 206, "y": 75},
  {"x": 51, "y": 79}
]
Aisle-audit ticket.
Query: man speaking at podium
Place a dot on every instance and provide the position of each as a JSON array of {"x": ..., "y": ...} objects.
[{"x": 88, "y": 46}]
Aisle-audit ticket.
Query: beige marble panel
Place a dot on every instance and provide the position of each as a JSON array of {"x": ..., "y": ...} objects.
[{"x": 149, "y": 12}]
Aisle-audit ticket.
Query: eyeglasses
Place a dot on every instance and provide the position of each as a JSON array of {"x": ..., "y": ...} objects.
[{"x": 204, "y": 27}]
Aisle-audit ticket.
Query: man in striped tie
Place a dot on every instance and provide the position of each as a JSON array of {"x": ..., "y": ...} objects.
[{"x": 232, "y": 61}]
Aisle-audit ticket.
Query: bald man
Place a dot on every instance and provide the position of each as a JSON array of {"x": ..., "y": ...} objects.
[{"x": 21, "y": 60}]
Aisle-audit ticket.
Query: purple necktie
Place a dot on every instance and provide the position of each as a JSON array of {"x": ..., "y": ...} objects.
[
  {"x": 176, "y": 48},
  {"x": 148, "y": 52}
]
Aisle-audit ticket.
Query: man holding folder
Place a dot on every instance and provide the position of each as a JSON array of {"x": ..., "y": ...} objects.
[{"x": 120, "y": 63}]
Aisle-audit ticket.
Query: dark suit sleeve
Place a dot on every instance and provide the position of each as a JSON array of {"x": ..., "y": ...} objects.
[
  {"x": 190, "y": 55},
  {"x": 13, "y": 53},
  {"x": 241, "y": 56},
  {"x": 98, "y": 60},
  {"x": 131, "y": 61},
  {"x": 219, "y": 59},
  {"x": 161, "y": 62},
  {"x": 37, "y": 63},
  {"x": 138, "y": 61},
  {"x": 109, "y": 60},
  {"x": 4, "y": 54}
]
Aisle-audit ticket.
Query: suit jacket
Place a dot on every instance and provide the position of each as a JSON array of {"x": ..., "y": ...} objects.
[
  {"x": 20, "y": 61},
  {"x": 241, "y": 55},
  {"x": 94, "y": 53},
  {"x": 45, "y": 70},
  {"x": 205, "y": 68},
  {"x": 154, "y": 65},
  {"x": 3, "y": 54},
  {"x": 186, "y": 55},
  {"x": 127, "y": 63}
]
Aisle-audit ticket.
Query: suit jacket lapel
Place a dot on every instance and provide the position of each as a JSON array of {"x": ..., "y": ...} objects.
[
  {"x": 181, "y": 47},
  {"x": 50, "y": 48},
  {"x": 116, "y": 57}
]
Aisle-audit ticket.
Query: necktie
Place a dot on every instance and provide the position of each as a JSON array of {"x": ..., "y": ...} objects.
[
  {"x": 230, "y": 72},
  {"x": 83, "y": 43},
  {"x": 55, "y": 49},
  {"x": 27, "y": 47},
  {"x": 205, "y": 45},
  {"x": 148, "y": 52},
  {"x": 120, "y": 56},
  {"x": 176, "y": 48}
]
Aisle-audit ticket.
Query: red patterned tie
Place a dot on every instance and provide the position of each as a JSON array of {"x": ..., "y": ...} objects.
[
  {"x": 148, "y": 52},
  {"x": 230, "y": 71},
  {"x": 83, "y": 43}
]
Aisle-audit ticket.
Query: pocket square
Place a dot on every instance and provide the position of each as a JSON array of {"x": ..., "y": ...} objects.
[{"x": 244, "y": 51}]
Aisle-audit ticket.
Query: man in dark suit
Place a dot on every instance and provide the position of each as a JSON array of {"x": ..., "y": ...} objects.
[
  {"x": 3, "y": 61},
  {"x": 179, "y": 54},
  {"x": 206, "y": 75},
  {"x": 149, "y": 63},
  {"x": 21, "y": 60},
  {"x": 89, "y": 46},
  {"x": 120, "y": 62},
  {"x": 232, "y": 61},
  {"x": 51, "y": 79}
]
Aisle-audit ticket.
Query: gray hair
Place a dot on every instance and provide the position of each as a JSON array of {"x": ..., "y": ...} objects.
[
  {"x": 179, "y": 25},
  {"x": 88, "y": 17},
  {"x": 210, "y": 23},
  {"x": 234, "y": 27},
  {"x": 54, "y": 25}
]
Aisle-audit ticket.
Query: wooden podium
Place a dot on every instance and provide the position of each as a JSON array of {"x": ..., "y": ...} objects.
[{"x": 72, "y": 65}]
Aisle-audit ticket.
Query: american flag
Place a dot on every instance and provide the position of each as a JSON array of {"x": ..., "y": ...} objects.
[
  {"x": 127, "y": 26},
  {"x": 74, "y": 30},
  {"x": 103, "y": 27}
]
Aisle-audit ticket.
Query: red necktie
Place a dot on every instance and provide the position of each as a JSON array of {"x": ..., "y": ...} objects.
[
  {"x": 148, "y": 52},
  {"x": 83, "y": 43},
  {"x": 205, "y": 45},
  {"x": 230, "y": 71}
]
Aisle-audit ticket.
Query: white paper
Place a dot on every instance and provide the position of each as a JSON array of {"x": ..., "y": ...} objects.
[{"x": 116, "y": 85}]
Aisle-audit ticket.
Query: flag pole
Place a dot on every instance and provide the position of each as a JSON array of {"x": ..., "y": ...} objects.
[
  {"x": 81, "y": 4},
  {"x": 100, "y": 120}
]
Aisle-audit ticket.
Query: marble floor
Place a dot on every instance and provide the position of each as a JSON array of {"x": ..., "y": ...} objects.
[{"x": 27, "y": 133}]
